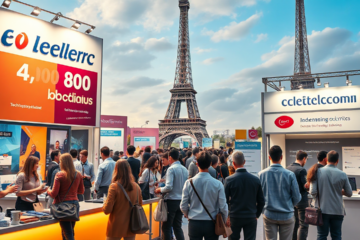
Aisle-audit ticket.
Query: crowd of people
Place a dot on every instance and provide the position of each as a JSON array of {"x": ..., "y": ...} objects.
[{"x": 198, "y": 184}]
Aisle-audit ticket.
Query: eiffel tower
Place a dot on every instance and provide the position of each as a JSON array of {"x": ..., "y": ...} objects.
[
  {"x": 302, "y": 56},
  {"x": 183, "y": 90}
]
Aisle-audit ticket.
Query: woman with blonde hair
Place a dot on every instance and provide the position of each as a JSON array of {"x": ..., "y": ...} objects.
[
  {"x": 30, "y": 185},
  {"x": 117, "y": 204},
  {"x": 68, "y": 184}
]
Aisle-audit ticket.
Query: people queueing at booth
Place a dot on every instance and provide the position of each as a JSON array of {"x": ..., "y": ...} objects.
[{"x": 220, "y": 184}]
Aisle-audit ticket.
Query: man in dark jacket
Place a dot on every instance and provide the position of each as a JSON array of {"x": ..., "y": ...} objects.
[
  {"x": 55, "y": 159},
  {"x": 134, "y": 163},
  {"x": 300, "y": 228},
  {"x": 245, "y": 198},
  {"x": 116, "y": 156}
]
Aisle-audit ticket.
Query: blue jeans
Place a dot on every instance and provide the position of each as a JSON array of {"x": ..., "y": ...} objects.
[
  {"x": 332, "y": 223},
  {"x": 67, "y": 227}
]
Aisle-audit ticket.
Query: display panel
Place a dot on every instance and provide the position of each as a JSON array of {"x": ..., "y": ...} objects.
[
  {"x": 56, "y": 71},
  {"x": 313, "y": 146},
  {"x": 351, "y": 160},
  {"x": 79, "y": 139},
  {"x": 9, "y": 149},
  {"x": 143, "y": 142},
  {"x": 252, "y": 154},
  {"x": 112, "y": 138},
  {"x": 57, "y": 139}
]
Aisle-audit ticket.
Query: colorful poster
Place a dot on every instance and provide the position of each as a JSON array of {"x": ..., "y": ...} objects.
[
  {"x": 49, "y": 74},
  {"x": 9, "y": 148},
  {"x": 112, "y": 138},
  {"x": 142, "y": 142},
  {"x": 33, "y": 142},
  {"x": 79, "y": 139},
  {"x": 207, "y": 142}
]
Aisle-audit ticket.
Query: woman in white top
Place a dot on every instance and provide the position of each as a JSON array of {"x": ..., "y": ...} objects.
[{"x": 150, "y": 167}]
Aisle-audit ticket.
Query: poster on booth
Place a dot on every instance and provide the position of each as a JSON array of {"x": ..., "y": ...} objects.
[
  {"x": 351, "y": 160},
  {"x": 112, "y": 138},
  {"x": 49, "y": 73},
  {"x": 140, "y": 143},
  {"x": 207, "y": 142},
  {"x": 252, "y": 153}
]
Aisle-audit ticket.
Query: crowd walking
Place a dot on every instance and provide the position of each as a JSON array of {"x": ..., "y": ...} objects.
[{"x": 206, "y": 186}]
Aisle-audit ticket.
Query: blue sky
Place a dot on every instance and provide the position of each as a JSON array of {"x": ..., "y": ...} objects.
[{"x": 140, "y": 40}]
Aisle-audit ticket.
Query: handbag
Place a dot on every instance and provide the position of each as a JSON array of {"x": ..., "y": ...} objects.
[
  {"x": 64, "y": 211},
  {"x": 138, "y": 220},
  {"x": 160, "y": 213},
  {"x": 313, "y": 215},
  {"x": 220, "y": 227},
  {"x": 145, "y": 189}
]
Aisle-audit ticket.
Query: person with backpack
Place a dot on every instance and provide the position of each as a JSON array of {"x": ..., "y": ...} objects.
[
  {"x": 202, "y": 199},
  {"x": 117, "y": 204}
]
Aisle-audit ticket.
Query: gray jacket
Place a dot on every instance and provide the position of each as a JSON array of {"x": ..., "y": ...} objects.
[
  {"x": 193, "y": 170},
  {"x": 188, "y": 161},
  {"x": 331, "y": 181}
]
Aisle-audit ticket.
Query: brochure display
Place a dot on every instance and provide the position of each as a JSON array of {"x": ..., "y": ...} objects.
[{"x": 351, "y": 160}]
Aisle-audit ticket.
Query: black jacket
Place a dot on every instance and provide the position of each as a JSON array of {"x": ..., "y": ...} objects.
[
  {"x": 51, "y": 167},
  {"x": 135, "y": 167},
  {"x": 116, "y": 157},
  {"x": 244, "y": 195},
  {"x": 300, "y": 174}
]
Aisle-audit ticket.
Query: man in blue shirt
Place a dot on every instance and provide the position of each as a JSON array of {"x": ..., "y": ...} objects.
[
  {"x": 87, "y": 171},
  {"x": 104, "y": 174},
  {"x": 281, "y": 192},
  {"x": 176, "y": 177}
]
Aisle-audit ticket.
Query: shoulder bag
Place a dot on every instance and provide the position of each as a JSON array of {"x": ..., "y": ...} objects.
[
  {"x": 64, "y": 211},
  {"x": 138, "y": 220},
  {"x": 313, "y": 215},
  {"x": 160, "y": 213},
  {"x": 145, "y": 188},
  {"x": 220, "y": 227}
]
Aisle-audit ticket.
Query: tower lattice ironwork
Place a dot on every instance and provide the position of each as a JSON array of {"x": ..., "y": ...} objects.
[
  {"x": 183, "y": 90},
  {"x": 302, "y": 56}
]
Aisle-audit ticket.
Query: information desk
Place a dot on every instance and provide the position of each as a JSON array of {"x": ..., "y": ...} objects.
[
  {"x": 350, "y": 228},
  {"x": 92, "y": 225}
]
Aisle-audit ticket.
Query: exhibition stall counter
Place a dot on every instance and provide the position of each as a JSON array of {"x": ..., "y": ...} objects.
[{"x": 92, "y": 225}]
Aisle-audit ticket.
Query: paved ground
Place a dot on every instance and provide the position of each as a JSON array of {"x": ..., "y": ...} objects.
[{"x": 259, "y": 232}]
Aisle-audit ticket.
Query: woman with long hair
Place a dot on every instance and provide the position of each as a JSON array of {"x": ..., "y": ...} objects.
[
  {"x": 117, "y": 204},
  {"x": 30, "y": 185},
  {"x": 68, "y": 183},
  {"x": 150, "y": 168}
]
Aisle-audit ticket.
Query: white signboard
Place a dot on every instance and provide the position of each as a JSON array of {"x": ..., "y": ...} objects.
[
  {"x": 329, "y": 121},
  {"x": 112, "y": 138},
  {"x": 252, "y": 153},
  {"x": 312, "y": 99},
  {"x": 351, "y": 160}
]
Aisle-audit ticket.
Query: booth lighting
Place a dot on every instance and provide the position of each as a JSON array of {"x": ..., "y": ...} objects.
[
  {"x": 318, "y": 82},
  {"x": 76, "y": 25},
  {"x": 349, "y": 83},
  {"x": 90, "y": 30},
  {"x": 6, "y": 3},
  {"x": 36, "y": 11},
  {"x": 282, "y": 89},
  {"x": 326, "y": 85}
]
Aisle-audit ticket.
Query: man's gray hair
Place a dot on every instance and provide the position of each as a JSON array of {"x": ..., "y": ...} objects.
[{"x": 238, "y": 158}]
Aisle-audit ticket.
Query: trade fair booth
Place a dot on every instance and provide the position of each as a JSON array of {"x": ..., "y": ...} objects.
[
  {"x": 113, "y": 133},
  {"x": 313, "y": 120},
  {"x": 143, "y": 137}
]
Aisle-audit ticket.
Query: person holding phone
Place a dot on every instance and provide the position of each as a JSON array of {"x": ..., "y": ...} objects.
[
  {"x": 9, "y": 189},
  {"x": 29, "y": 185}
]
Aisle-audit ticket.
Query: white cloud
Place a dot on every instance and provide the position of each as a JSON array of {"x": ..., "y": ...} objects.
[
  {"x": 330, "y": 50},
  {"x": 161, "y": 44},
  {"x": 152, "y": 15},
  {"x": 210, "y": 61},
  {"x": 235, "y": 31},
  {"x": 201, "y": 50},
  {"x": 261, "y": 37}
]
